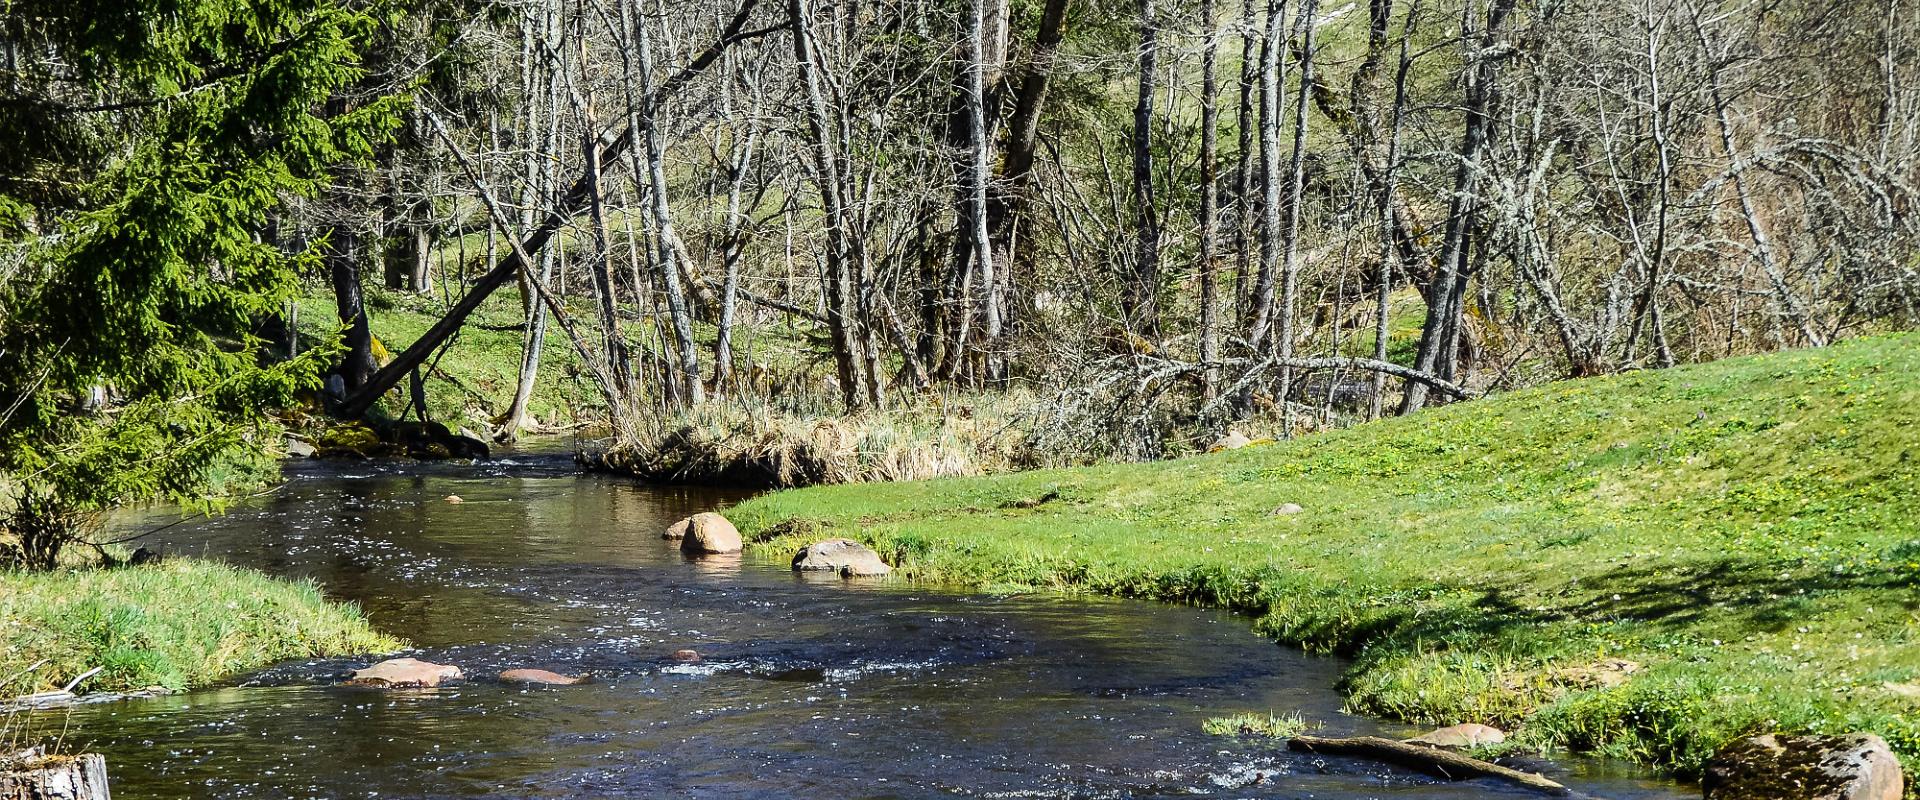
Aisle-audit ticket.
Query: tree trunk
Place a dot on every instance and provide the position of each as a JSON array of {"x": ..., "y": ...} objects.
[
  {"x": 981, "y": 152},
  {"x": 1209, "y": 200},
  {"x": 82, "y": 777},
  {"x": 1270, "y": 80},
  {"x": 842, "y": 325},
  {"x": 1296, "y": 200},
  {"x": 343, "y": 262},
  {"x": 1446, "y": 295},
  {"x": 644, "y": 119},
  {"x": 1140, "y": 297}
]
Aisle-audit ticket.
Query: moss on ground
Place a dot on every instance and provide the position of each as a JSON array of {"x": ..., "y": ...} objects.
[
  {"x": 1644, "y": 566},
  {"x": 180, "y": 623}
]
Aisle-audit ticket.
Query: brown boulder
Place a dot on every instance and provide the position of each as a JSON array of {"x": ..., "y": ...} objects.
[
  {"x": 678, "y": 530},
  {"x": 686, "y": 656},
  {"x": 1460, "y": 737},
  {"x": 406, "y": 672},
  {"x": 542, "y": 677},
  {"x": 708, "y": 532},
  {"x": 1857, "y": 766},
  {"x": 845, "y": 556}
]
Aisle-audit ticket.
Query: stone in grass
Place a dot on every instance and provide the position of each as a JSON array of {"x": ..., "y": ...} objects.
[
  {"x": 1856, "y": 766},
  {"x": 1285, "y": 510},
  {"x": 541, "y": 677},
  {"x": 1234, "y": 440},
  {"x": 396, "y": 673},
  {"x": 1465, "y": 736},
  {"x": 849, "y": 558},
  {"x": 708, "y": 532}
]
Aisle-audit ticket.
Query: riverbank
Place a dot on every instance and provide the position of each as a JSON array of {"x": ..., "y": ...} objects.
[
  {"x": 1643, "y": 566},
  {"x": 178, "y": 624}
]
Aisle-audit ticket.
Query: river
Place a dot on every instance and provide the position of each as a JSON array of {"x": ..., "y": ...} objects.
[{"x": 810, "y": 687}]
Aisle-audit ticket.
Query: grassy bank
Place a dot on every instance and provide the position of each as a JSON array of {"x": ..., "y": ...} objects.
[
  {"x": 179, "y": 624},
  {"x": 1645, "y": 565}
]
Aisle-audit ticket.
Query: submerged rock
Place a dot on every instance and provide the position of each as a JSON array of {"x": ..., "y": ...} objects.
[
  {"x": 708, "y": 532},
  {"x": 542, "y": 677},
  {"x": 405, "y": 673},
  {"x": 1857, "y": 766},
  {"x": 845, "y": 556},
  {"x": 1460, "y": 737}
]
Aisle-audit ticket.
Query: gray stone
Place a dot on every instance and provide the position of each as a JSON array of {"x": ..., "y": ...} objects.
[
  {"x": 1856, "y": 766},
  {"x": 845, "y": 556}
]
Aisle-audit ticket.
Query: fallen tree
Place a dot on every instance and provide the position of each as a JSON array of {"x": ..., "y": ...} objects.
[
  {"x": 571, "y": 204},
  {"x": 1430, "y": 760}
]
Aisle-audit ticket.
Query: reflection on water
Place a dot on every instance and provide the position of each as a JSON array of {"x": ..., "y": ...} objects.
[{"x": 808, "y": 688}]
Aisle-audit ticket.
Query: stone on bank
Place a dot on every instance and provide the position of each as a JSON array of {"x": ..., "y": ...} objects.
[
  {"x": 845, "y": 556},
  {"x": 1857, "y": 766}
]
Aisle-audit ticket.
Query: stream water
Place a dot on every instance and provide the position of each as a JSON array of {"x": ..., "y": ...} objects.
[{"x": 811, "y": 688}]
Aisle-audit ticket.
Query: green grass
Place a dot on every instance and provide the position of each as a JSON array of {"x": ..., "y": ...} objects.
[
  {"x": 1270, "y": 725},
  {"x": 1748, "y": 531},
  {"x": 180, "y": 623}
]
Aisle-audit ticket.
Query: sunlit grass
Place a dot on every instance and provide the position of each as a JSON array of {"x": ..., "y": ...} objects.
[
  {"x": 1747, "y": 532},
  {"x": 178, "y": 624}
]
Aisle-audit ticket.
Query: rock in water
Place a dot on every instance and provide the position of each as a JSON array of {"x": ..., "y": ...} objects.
[
  {"x": 542, "y": 677},
  {"x": 299, "y": 449},
  {"x": 686, "y": 656},
  {"x": 845, "y": 556},
  {"x": 678, "y": 530},
  {"x": 708, "y": 532},
  {"x": 1460, "y": 737},
  {"x": 1857, "y": 766},
  {"x": 463, "y": 446},
  {"x": 406, "y": 672}
]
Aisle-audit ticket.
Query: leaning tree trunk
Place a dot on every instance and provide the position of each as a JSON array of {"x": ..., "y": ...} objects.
[{"x": 36, "y": 777}]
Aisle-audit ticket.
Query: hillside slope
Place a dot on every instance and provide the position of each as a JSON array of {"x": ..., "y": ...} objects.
[{"x": 1643, "y": 565}]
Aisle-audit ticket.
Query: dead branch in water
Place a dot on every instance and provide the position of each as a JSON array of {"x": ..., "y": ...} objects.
[{"x": 1432, "y": 761}]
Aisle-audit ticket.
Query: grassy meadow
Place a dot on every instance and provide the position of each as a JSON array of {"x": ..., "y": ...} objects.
[{"x": 1644, "y": 565}]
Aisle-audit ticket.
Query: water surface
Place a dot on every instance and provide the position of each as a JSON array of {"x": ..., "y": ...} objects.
[{"x": 811, "y": 687}]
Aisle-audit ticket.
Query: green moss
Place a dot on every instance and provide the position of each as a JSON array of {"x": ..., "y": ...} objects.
[
  {"x": 1744, "y": 531},
  {"x": 179, "y": 624}
]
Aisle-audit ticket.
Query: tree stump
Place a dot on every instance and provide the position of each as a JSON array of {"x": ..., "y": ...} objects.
[{"x": 31, "y": 776}]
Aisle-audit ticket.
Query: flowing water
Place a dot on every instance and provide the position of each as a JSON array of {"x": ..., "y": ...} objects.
[{"x": 810, "y": 688}]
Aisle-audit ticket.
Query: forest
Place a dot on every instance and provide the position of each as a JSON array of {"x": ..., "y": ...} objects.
[{"x": 1561, "y": 271}]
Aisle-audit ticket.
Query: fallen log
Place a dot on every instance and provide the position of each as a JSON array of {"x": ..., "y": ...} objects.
[{"x": 1432, "y": 761}]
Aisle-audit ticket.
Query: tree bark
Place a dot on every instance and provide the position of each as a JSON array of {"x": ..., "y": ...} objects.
[
  {"x": 1209, "y": 200},
  {"x": 1140, "y": 297},
  {"x": 82, "y": 777}
]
